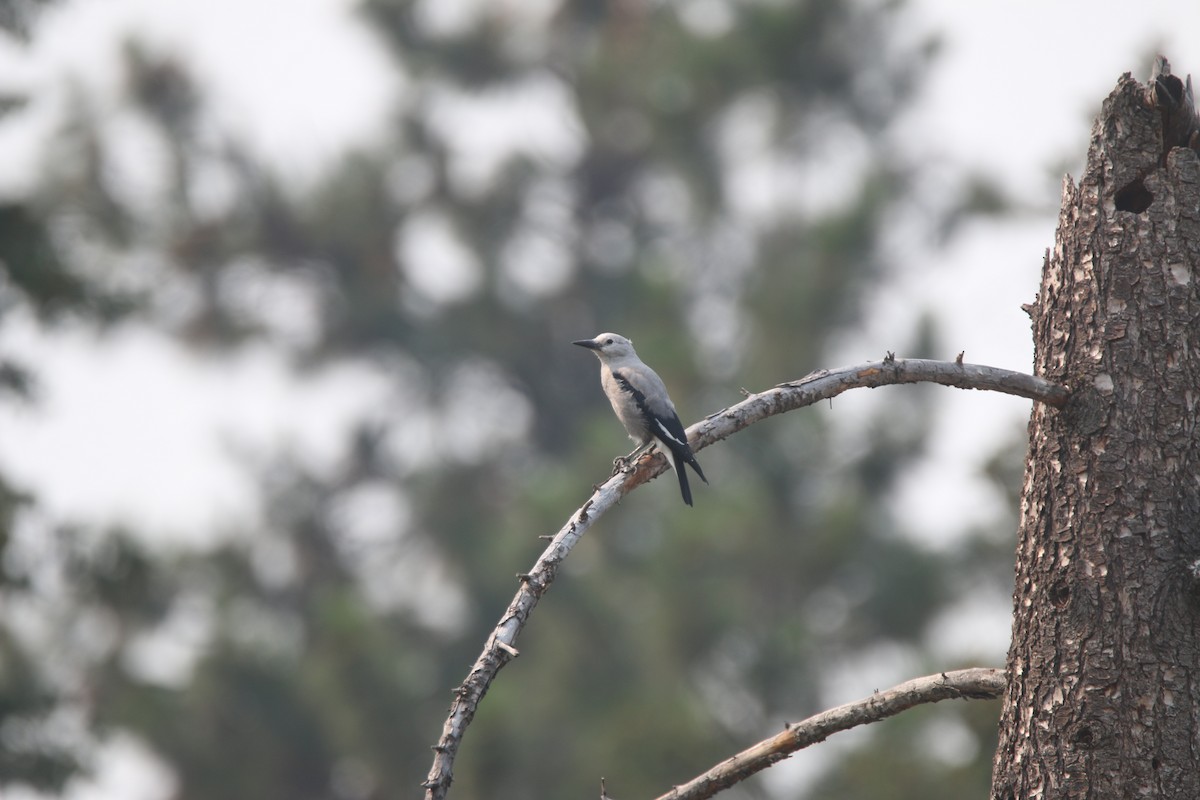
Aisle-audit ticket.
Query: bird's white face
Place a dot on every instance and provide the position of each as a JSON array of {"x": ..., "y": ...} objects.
[{"x": 609, "y": 346}]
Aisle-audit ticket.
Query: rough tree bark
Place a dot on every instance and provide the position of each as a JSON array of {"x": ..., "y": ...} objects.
[{"x": 1103, "y": 698}]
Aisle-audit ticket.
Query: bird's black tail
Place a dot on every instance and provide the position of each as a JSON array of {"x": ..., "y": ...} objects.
[
  {"x": 691, "y": 459},
  {"x": 683, "y": 455},
  {"x": 684, "y": 489}
]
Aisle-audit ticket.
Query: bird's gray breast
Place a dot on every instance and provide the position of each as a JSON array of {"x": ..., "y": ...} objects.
[{"x": 628, "y": 404}]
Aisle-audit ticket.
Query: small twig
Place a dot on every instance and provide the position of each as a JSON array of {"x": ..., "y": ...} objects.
[
  {"x": 979, "y": 683},
  {"x": 782, "y": 398}
]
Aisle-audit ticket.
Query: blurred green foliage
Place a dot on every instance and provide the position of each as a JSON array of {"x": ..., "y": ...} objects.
[{"x": 673, "y": 637}]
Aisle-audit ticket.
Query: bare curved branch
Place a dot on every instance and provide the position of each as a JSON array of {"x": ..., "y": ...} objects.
[
  {"x": 979, "y": 684},
  {"x": 500, "y": 647}
]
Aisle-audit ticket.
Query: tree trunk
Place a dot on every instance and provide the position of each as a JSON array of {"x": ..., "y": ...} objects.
[{"x": 1103, "y": 699}]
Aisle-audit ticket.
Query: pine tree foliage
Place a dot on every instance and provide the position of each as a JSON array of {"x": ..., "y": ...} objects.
[{"x": 716, "y": 181}]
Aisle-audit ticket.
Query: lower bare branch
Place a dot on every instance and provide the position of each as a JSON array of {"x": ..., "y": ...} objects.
[
  {"x": 979, "y": 683},
  {"x": 500, "y": 647}
]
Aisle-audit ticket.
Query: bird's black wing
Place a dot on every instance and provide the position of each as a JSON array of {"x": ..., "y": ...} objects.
[{"x": 663, "y": 422}]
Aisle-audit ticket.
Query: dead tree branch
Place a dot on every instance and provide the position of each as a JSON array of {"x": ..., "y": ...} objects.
[
  {"x": 978, "y": 683},
  {"x": 500, "y": 647}
]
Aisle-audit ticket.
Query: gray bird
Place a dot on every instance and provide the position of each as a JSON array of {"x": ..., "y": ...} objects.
[{"x": 640, "y": 401}]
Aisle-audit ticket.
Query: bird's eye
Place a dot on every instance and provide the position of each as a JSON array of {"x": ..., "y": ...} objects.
[{"x": 609, "y": 341}]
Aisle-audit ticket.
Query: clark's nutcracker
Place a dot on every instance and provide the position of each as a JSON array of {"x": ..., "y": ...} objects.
[{"x": 640, "y": 401}]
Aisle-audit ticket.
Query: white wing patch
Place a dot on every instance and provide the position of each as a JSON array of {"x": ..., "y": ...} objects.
[{"x": 667, "y": 433}]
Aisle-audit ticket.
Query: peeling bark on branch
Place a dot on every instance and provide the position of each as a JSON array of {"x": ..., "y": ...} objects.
[
  {"x": 500, "y": 647},
  {"x": 1104, "y": 692}
]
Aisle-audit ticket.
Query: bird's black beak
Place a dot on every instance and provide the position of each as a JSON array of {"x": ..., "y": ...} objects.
[{"x": 588, "y": 343}]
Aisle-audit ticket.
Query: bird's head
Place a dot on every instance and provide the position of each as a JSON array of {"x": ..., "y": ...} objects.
[{"x": 608, "y": 347}]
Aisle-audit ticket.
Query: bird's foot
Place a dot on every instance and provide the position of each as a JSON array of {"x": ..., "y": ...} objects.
[{"x": 627, "y": 463}]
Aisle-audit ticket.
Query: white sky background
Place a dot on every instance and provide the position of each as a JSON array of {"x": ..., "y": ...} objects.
[{"x": 1013, "y": 93}]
